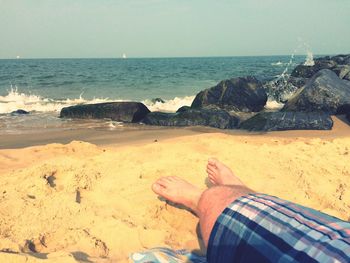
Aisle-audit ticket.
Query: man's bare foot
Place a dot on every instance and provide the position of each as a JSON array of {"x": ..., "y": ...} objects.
[
  {"x": 220, "y": 174},
  {"x": 178, "y": 191}
]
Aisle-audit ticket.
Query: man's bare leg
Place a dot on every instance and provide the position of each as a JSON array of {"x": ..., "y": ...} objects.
[{"x": 207, "y": 205}]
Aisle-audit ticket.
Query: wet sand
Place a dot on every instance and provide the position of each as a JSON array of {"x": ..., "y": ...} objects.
[{"x": 140, "y": 134}]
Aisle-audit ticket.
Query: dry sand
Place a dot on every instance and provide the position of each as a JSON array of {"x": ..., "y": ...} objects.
[{"x": 81, "y": 202}]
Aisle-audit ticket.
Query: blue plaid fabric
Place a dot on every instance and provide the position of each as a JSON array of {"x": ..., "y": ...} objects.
[{"x": 259, "y": 228}]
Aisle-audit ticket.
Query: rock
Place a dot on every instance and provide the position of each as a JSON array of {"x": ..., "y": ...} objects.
[
  {"x": 193, "y": 117},
  {"x": 19, "y": 112},
  {"x": 345, "y": 109},
  {"x": 339, "y": 64},
  {"x": 303, "y": 71},
  {"x": 280, "y": 121},
  {"x": 117, "y": 111},
  {"x": 297, "y": 82},
  {"x": 183, "y": 108},
  {"x": 239, "y": 94},
  {"x": 342, "y": 71},
  {"x": 347, "y": 77},
  {"x": 157, "y": 100},
  {"x": 324, "y": 92},
  {"x": 341, "y": 59}
]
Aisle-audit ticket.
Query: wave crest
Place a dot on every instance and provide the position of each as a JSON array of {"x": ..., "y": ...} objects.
[
  {"x": 169, "y": 105},
  {"x": 15, "y": 100}
]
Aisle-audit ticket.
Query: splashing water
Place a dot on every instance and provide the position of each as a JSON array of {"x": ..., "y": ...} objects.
[
  {"x": 309, "y": 59},
  {"x": 279, "y": 88}
]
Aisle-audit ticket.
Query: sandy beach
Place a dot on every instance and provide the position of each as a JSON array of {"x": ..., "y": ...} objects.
[{"x": 81, "y": 202}]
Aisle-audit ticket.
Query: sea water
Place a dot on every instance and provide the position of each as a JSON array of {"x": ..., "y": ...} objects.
[{"x": 44, "y": 86}]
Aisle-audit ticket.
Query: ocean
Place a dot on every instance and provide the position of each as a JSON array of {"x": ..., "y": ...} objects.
[{"x": 44, "y": 86}]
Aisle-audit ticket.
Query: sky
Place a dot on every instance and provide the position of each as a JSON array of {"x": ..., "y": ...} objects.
[{"x": 172, "y": 28}]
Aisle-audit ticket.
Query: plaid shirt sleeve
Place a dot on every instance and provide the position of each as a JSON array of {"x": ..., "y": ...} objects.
[{"x": 259, "y": 228}]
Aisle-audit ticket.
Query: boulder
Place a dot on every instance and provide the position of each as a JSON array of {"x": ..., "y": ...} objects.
[
  {"x": 348, "y": 116},
  {"x": 183, "y": 108},
  {"x": 342, "y": 71},
  {"x": 339, "y": 64},
  {"x": 347, "y": 77},
  {"x": 117, "y": 111},
  {"x": 341, "y": 59},
  {"x": 325, "y": 92},
  {"x": 238, "y": 94},
  {"x": 280, "y": 121},
  {"x": 302, "y": 71},
  {"x": 193, "y": 117},
  {"x": 19, "y": 112}
]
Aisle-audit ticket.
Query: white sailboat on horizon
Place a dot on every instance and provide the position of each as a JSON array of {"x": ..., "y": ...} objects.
[{"x": 124, "y": 56}]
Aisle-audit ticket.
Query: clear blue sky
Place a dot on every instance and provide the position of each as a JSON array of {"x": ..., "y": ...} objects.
[{"x": 170, "y": 28}]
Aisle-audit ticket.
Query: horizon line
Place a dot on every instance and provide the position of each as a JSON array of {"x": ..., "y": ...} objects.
[{"x": 166, "y": 57}]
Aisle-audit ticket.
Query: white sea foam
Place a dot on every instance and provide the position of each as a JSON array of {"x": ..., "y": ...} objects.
[
  {"x": 169, "y": 105},
  {"x": 279, "y": 63},
  {"x": 15, "y": 100}
]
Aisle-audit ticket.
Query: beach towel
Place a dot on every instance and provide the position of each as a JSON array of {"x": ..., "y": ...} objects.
[{"x": 166, "y": 255}]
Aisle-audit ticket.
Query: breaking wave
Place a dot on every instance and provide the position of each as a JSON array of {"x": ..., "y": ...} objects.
[
  {"x": 15, "y": 100},
  {"x": 169, "y": 105}
]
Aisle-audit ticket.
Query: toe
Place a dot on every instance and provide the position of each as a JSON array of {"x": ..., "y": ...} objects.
[
  {"x": 173, "y": 178},
  {"x": 158, "y": 188},
  {"x": 163, "y": 181},
  {"x": 212, "y": 181},
  {"x": 210, "y": 174},
  {"x": 212, "y": 161},
  {"x": 211, "y": 170}
]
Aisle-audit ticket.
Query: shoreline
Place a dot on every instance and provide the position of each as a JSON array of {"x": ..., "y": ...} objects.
[{"x": 141, "y": 134}]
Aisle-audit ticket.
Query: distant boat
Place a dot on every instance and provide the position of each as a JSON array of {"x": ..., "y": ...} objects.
[
  {"x": 124, "y": 56},
  {"x": 18, "y": 57}
]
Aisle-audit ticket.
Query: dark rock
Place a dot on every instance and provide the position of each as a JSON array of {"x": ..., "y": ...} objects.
[
  {"x": 302, "y": 71},
  {"x": 193, "y": 117},
  {"x": 324, "y": 92},
  {"x": 348, "y": 116},
  {"x": 280, "y": 121},
  {"x": 239, "y": 94},
  {"x": 347, "y": 77},
  {"x": 183, "y": 108},
  {"x": 284, "y": 88},
  {"x": 117, "y": 111},
  {"x": 341, "y": 59},
  {"x": 339, "y": 64},
  {"x": 297, "y": 82},
  {"x": 342, "y": 71},
  {"x": 344, "y": 109},
  {"x": 157, "y": 100},
  {"x": 19, "y": 112}
]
